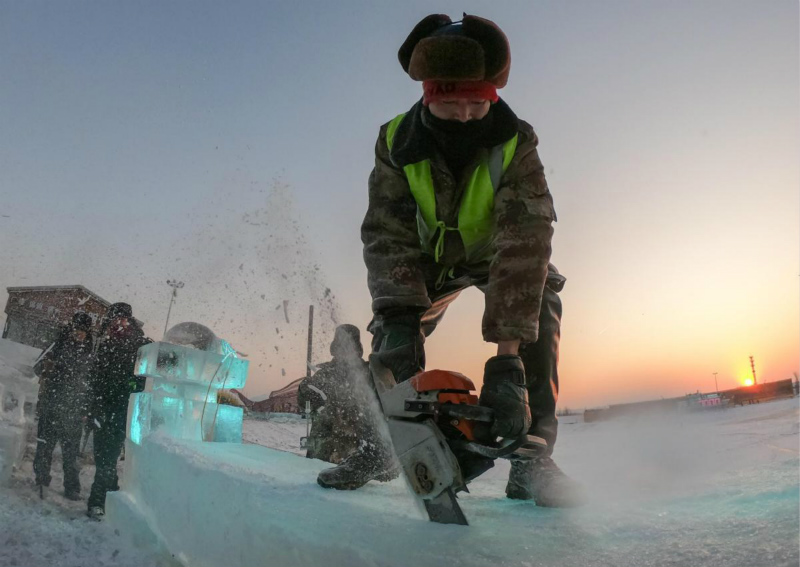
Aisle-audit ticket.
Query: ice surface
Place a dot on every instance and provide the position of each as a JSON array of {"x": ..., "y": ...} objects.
[
  {"x": 280, "y": 431},
  {"x": 715, "y": 488}
]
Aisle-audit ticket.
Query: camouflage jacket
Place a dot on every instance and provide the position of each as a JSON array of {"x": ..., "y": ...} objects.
[
  {"x": 401, "y": 275},
  {"x": 338, "y": 423}
]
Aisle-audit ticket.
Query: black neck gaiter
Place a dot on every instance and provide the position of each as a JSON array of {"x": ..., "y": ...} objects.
[{"x": 458, "y": 142}]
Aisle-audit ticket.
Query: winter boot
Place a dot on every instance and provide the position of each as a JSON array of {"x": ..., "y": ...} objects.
[
  {"x": 543, "y": 482},
  {"x": 96, "y": 513},
  {"x": 356, "y": 471}
]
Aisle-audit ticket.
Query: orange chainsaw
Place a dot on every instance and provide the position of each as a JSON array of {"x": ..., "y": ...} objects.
[{"x": 441, "y": 436}]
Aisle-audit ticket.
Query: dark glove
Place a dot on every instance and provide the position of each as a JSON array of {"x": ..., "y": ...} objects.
[
  {"x": 400, "y": 348},
  {"x": 504, "y": 391}
]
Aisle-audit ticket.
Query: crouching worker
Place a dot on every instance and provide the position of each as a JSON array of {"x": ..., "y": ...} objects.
[
  {"x": 344, "y": 429},
  {"x": 458, "y": 198},
  {"x": 63, "y": 370},
  {"x": 331, "y": 393},
  {"x": 112, "y": 382}
]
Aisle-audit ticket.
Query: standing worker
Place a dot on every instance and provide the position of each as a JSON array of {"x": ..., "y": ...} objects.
[
  {"x": 112, "y": 382},
  {"x": 458, "y": 198},
  {"x": 63, "y": 371}
]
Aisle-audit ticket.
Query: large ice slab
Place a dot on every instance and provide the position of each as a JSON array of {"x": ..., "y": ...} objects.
[{"x": 696, "y": 490}]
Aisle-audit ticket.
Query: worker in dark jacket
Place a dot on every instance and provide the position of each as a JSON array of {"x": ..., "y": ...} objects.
[
  {"x": 331, "y": 393},
  {"x": 112, "y": 382},
  {"x": 458, "y": 198},
  {"x": 63, "y": 371}
]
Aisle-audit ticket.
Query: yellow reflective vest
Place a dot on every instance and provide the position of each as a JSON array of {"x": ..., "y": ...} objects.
[{"x": 475, "y": 215}]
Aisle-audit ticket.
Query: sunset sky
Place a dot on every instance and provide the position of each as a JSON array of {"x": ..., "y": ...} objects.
[{"x": 228, "y": 145}]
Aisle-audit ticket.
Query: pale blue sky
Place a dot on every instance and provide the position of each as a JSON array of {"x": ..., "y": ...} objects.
[{"x": 135, "y": 136}]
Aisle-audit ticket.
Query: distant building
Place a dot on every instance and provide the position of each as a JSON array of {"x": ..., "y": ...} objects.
[
  {"x": 283, "y": 400},
  {"x": 757, "y": 393},
  {"x": 649, "y": 407},
  {"x": 764, "y": 392},
  {"x": 702, "y": 401},
  {"x": 35, "y": 314}
]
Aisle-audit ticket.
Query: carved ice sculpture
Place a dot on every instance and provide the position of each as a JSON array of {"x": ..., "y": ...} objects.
[
  {"x": 184, "y": 374},
  {"x": 18, "y": 392}
]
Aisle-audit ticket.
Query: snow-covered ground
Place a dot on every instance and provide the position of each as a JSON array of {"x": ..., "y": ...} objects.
[
  {"x": 280, "y": 431},
  {"x": 55, "y": 532},
  {"x": 717, "y": 488}
]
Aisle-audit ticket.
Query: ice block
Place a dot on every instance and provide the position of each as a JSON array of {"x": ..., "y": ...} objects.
[{"x": 180, "y": 397}]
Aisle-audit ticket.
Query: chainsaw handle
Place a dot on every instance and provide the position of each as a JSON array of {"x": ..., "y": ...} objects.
[
  {"x": 506, "y": 447},
  {"x": 484, "y": 443},
  {"x": 523, "y": 447}
]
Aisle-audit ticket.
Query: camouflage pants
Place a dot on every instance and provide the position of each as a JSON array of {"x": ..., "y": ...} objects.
[{"x": 540, "y": 358}]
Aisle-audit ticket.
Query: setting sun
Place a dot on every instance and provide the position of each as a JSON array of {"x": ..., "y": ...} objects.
[{"x": 748, "y": 382}]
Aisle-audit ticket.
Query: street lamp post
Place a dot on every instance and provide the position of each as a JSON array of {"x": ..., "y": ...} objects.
[
  {"x": 175, "y": 285},
  {"x": 716, "y": 387},
  {"x": 753, "y": 366}
]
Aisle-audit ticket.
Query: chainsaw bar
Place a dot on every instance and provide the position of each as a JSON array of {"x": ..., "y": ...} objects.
[{"x": 444, "y": 509}]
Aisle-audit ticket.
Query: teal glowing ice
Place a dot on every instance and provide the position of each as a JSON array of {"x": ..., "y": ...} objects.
[
  {"x": 186, "y": 367},
  {"x": 183, "y": 381}
]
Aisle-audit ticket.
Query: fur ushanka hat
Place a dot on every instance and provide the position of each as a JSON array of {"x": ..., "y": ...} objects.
[{"x": 474, "y": 49}]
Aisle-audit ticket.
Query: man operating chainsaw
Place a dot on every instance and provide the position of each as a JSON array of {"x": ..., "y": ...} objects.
[{"x": 458, "y": 198}]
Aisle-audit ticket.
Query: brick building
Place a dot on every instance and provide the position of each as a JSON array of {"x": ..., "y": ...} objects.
[
  {"x": 35, "y": 314},
  {"x": 283, "y": 400}
]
